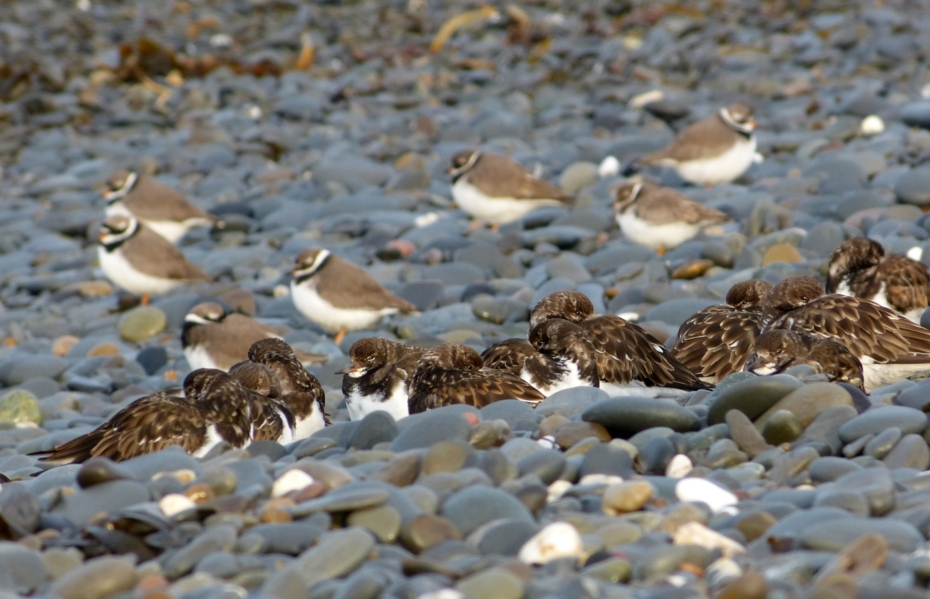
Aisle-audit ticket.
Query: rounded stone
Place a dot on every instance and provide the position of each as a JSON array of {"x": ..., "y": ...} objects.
[
  {"x": 834, "y": 535},
  {"x": 383, "y": 522},
  {"x": 781, "y": 252},
  {"x": 473, "y": 506},
  {"x": 142, "y": 323},
  {"x": 570, "y": 433},
  {"x": 914, "y": 187},
  {"x": 432, "y": 427},
  {"x": 498, "y": 583},
  {"x": 626, "y": 497},
  {"x": 547, "y": 465},
  {"x": 910, "y": 452},
  {"x": 807, "y": 402},
  {"x": 376, "y": 427},
  {"x": 782, "y": 427},
  {"x": 881, "y": 418},
  {"x": 98, "y": 470},
  {"x": 447, "y": 457},
  {"x": 426, "y": 530},
  {"x": 625, "y": 416},
  {"x": 21, "y": 569},
  {"x": 754, "y": 524},
  {"x": 751, "y": 397},
  {"x": 578, "y": 176},
  {"x": 21, "y": 408},
  {"x": 96, "y": 578}
]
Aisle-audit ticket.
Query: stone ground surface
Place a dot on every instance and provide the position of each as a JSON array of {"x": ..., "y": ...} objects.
[{"x": 825, "y": 497}]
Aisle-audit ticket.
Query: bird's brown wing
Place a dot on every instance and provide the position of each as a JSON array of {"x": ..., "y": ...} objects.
[
  {"x": 707, "y": 138},
  {"x": 667, "y": 205},
  {"x": 474, "y": 388},
  {"x": 716, "y": 341},
  {"x": 867, "y": 329},
  {"x": 157, "y": 257},
  {"x": 508, "y": 355},
  {"x": 148, "y": 424},
  {"x": 907, "y": 283},
  {"x": 626, "y": 353},
  {"x": 508, "y": 178}
]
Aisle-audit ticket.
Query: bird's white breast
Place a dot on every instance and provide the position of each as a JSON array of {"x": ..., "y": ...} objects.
[
  {"x": 494, "y": 210},
  {"x": 720, "y": 169},
  {"x": 125, "y": 276},
  {"x": 329, "y": 317}
]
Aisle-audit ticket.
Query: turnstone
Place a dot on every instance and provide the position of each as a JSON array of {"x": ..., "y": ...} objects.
[
  {"x": 212, "y": 408},
  {"x": 559, "y": 355},
  {"x": 715, "y": 150},
  {"x": 214, "y": 338},
  {"x": 859, "y": 267},
  {"x": 660, "y": 218},
  {"x": 496, "y": 189},
  {"x": 453, "y": 373},
  {"x": 777, "y": 350},
  {"x": 141, "y": 262},
  {"x": 271, "y": 418},
  {"x": 717, "y": 340},
  {"x": 338, "y": 295},
  {"x": 889, "y": 346},
  {"x": 300, "y": 391},
  {"x": 378, "y": 377},
  {"x": 630, "y": 361},
  {"x": 156, "y": 205}
]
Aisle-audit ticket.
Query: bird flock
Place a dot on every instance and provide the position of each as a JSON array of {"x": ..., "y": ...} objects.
[{"x": 248, "y": 385}]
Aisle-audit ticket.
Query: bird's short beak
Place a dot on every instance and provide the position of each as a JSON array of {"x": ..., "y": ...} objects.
[
  {"x": 752, "y": 123},
  {"x": 350, "y": 369}
]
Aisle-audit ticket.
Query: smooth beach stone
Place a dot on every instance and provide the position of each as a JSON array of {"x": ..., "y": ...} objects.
[
  {"x": 336, "y": 554},
  {"x": 608, "y": 459},
  {"x": 570, "y": 402},
  {"x": 875, "y": 484},
  {"x": 625, "y": 416},
  {"x": 781, "y": 427},
  {"x": 837, "y": 534},
  {"x": 751, "y": 397},
  {"x": 880, "y": 418},
  {"x": 827, "y": 469},
  {"x": 626, "y": 497},
  {"x": 142, "y": 323},
  {"x": 497, "y": 583},
  {"x": 910, "y": 452},
  {"x": 344, "y": 499},
  {"x": 291, "y": 538},
  {"x": 473, "y": 506},
  {"x": 383, "y": 522},
  {"x": 502, "y": 537},
  {"x": 879, "y": 446},
  {"x": 447, "y": 457},
  {"x": 21, "y": 569},
  {"x": 374, "y": 428},
  {"x": 547, "y": 465},
  {"x": 427, "y": 530},
  {"x": 220, "y": 537},
  {"x": 807, "y": 402},
  {"x": 744, "y": 434},
  {"x": 108, "y": 497},
  {"x": 20, "y": 407},
  {"x": 96, "y": 578},
  {"x": 18, "y": 367},
  {"x": 852, "y": 502},
  {"x": 432, "y": 427}
]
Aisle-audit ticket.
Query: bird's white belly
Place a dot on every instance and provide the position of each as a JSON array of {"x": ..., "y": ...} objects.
[
  {"x": 287, "y": 434},
  {"x": 126, "y": 277},
  {"x": 494, "y": 210},
  {"x": 638, "y": 389},
  {"x": 569, "y": 380},
  {"x": 361, "y": 405},
  {"x": 212, "y": 440},
  {"x": 721, "y": 169},
  {"x": 655, "y": 236},
  {"x": 198, "y": 357},
  {"x": 879, "y": 375},
  {"x": 327, "y": 316},
  {"x": 309, "y": 425}
]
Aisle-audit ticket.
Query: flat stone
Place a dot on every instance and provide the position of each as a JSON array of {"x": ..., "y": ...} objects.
[
  {"x": 914, "y": 187},
  {"x": 880, "y": 418},
  {"x": 343, "y": 499},
  {"x": 570, "y": 402},
  {"x": 626, "y": 497},
  {"x": 20, "y": 407},
  {"x": 751, "y": 397},
  {"x": 338, "y": 553},
  {"x": 781, "y": 252},
  {"x": 910, "y": 452},
  {"x": 142, "y": 323},
  {"x": 432, "y": 427},
  {"x": 744, "y": 434},
  {"x": 96, "y": 578},
  {"x": 473, "y": 506},
  {"x": 837, "y": 534},
  {"x": 19, "y": 367},
  {"x": 21, "y": 569},
  {"x": 383, "y": 522},
  {"x": 427, "y": 530},
  {"x": 807, "y": 402},
  {"x": 109, "y": 497},
  {"x": 625, "y": 416},
  {"x": 498, "y": 583},
  {"x": 374, "y": 428}
]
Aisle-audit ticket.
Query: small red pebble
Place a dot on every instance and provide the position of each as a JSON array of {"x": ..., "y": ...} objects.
[
  {"x": 472, "y": 418},
  {"x": 403, "y": 246}
]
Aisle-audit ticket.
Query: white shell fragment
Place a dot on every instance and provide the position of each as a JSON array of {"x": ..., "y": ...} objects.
[
  {"x": 699, "y": 489},
  {"x": 678, "y": 466},
  {"x": 872, "y": 125},
  {"x": 609, "y": 167},
  {"x": 695, "y": 533},
  {"x": 175, "y": 503},
  {"x": 292, "y": 480},
  {"x": 559, "y": 539}
]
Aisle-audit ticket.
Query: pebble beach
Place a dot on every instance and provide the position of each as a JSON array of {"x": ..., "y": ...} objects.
[{"x": 332, "y": 124}]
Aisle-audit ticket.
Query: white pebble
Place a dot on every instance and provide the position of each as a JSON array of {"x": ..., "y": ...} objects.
[
  {"x": 548, "y": 442},
  {"x": 646, "y": 98},
  {"x": 872, "y": 125},
  {"x": 915, "y": 253},
  {"x": 442, "y": 594},
  {"x": 758, "y": 158},
  {"x": 695, "y": 533},
  {"x": 175, "y": 503},
  {"x": 678, "y": 466},
  {"x": 557, "y": 489},
  {"x": 721, "y": 572},
  {"x": 559, "y": 539},
  {"x": 600, "y": 479},
  {"x": 280, "y": 291},
  {"x": 608, "y": 167},
  {"x": 699, "y": 489},
  {"x": 292, "y": 480},
  {"x": 254, "y": 112},
  {"x": 426, "y": 219}
]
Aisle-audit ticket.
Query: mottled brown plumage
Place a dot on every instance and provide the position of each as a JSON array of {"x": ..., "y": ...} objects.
[
  {"x": 271, "y": 418},
  {"x": 378, "y": 376},
  {"x": 859, "y": 267},
  {"x": 777, "y": 350},
  {"x": 148, "y": 199},
  {"x": 659, "y": 205},
  {"x": 300, "y": 390},
  {"x": 716, "y": 341},
  {"x": 453, "y": 373},
  {"x": 211, "y": 398},
  {"x": 626, "y": 353}
]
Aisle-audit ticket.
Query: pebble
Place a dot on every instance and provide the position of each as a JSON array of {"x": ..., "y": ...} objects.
[
  {"x": 752, "y": 396},
  {"x": 555, "y": 541},
  {"x": 880, "y": 418},
  {"x": 699, "y": 489},
  {"x": 474, "y": 506},
  {"x": 96, "y": 578},
  {"x": 142, "y": 323},
  {"x": 626, "y": 497},
  {"x": 625, "y": 416},
  {"x": 694, "y": 533},
  {"x": 21, "y": 408}
]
